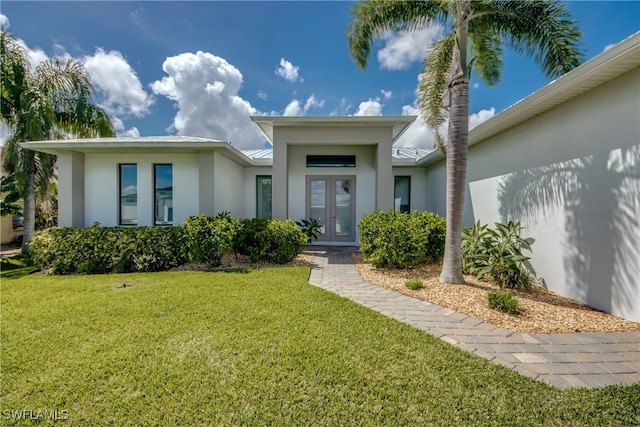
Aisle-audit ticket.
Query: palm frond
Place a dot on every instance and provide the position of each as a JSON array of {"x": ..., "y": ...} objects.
[
  {"x": 434, "y": 81},
  {"x": 370, "y": 19}
]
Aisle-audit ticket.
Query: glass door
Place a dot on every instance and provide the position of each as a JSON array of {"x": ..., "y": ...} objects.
[{"x": 331, "y": 200}]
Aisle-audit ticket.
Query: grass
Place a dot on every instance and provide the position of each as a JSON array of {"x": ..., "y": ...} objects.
[
  {"x": 256, "y": 348},
  {"x": 16, "y": 266}
]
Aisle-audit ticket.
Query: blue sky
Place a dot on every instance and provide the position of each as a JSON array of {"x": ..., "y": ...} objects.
[{"x": 202, "y": 68}]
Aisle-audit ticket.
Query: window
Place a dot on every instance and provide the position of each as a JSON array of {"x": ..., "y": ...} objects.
[
  {"x": 263, "y": 194},
  {"x": 128, "y": 177},
  {"x": 331, "y": 161},
  {"x": 163, "y": 195},
  {"x": 401, "y": 193}
]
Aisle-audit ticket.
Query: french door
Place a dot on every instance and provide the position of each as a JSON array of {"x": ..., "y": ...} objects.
[{"x": 331, "y": 200}]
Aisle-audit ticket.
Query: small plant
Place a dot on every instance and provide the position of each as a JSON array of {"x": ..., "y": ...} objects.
[
  {"x": 504, "y": 301},
  {"x": 311, "y": 228},
  {"x": 414, "y": 284},
  {"x": 497, "y": 254}
]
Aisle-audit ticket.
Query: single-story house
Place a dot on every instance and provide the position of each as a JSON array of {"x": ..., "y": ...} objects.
[{"x": 565, "y": 161}]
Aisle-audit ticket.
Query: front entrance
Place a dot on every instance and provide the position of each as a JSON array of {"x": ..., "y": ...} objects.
[{"x": 331, "y": 200}]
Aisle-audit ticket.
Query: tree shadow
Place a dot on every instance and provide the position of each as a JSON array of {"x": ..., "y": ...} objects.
[{"x": 599, "y": 196}]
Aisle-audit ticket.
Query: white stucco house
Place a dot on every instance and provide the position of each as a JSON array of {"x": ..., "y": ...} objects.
[{"x": 565, "y": 161}]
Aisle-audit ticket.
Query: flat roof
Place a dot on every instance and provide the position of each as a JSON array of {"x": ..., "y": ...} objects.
[{"x": 398, "y": 123}]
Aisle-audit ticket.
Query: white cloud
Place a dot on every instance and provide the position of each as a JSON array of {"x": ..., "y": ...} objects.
[
  {"x": 288, "y": 71},
  {"x": 4, "y": 22},
  {"x": 118, "y": 126},
  {"x": 386, "y": 94},
  {"x": 111, "y": 73},
  {"x": 205, "y": 88},
  {"x": 420, "y": 136},
  {"x": 372, "y": 107},
  {"x": 480, "y": 117},
  {"x": 262, "y": 95},
  {"x": 406, "y": 47},
  {"x": 295, "y": 107}
]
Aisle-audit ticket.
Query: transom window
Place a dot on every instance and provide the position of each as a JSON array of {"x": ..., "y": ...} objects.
[{"x": 320, "y": 161}]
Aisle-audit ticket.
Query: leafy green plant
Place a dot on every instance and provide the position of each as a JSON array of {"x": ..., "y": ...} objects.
[
  {"x": 504, "y": 301},
  {"x": 311, "y": 228},
  {"x": 401, "y": 239},
  {"x": 414, "y": 284},
  {"x": 96, "y": 250},
  {"x": 10, "y": 196},
  {"x": 207, "y": 239},
  {"x": 286, "y": 240},
  {"x": 497, "y": 254}
]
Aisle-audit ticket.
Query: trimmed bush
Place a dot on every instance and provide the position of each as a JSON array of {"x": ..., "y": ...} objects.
[
  {"x": 401, "y": 239},
  {"x": 269, "y": 239},
  {"x": 250, "y": 239},
  {"x": 504, "y": 301},
  {"x": 206, "y": 239},
  {"x": 96, "y": 250}
]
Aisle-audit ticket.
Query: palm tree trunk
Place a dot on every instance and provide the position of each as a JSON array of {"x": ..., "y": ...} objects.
[
  {"x": 457, "y": 148},
  {"x": 29, "y": 211}
]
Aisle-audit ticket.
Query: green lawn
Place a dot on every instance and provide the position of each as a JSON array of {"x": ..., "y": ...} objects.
[{"x": 256, "y": 348}]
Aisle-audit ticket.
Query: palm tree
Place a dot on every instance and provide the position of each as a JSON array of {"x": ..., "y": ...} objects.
[
  {"x": 475, "y": 33},
  {"x": 52, "y": 102}
]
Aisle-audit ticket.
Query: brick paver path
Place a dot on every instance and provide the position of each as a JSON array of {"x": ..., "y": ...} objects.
[{"x": 563, "y": 360}]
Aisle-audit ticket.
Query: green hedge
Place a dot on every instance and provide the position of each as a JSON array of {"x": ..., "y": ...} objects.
[
  {"x": 200, "y": 239},
  {"x": 401, "y": 239},
  {"x": 106, "y": 249}
]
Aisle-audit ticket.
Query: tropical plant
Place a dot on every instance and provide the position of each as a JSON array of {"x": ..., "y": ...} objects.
[
  {"x": 503, "y": 301},
  {"x": 54, "y": 101},
  {"x": 497, "y": 254},
  {"x": 10, "y": 196},
  {"x": 311, "y": 228},
  {"x": 473, "y": 38}
]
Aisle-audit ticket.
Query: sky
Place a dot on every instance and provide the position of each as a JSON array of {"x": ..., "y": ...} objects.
[{"x": 203, "y": 68}]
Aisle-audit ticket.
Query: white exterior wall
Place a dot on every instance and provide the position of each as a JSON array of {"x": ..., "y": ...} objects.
[
  {"x": 101, "y": 186},
  {"x": 228, "y": 182},
  {"x": 572, "y": 176}
]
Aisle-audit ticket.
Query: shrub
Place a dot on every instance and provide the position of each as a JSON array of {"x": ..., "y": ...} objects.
[
  {"x": 311, "y": 228},
  {"x": 497, "y": 254},
  {"x": 503, "y": 301},
  {"x": 401, "y": 239},
  {"x": 206, "y": 239},
  {"x": 95, "y": 249},
  {"x": 414, "y": 284},
  {"x": 269, "y": 239}
]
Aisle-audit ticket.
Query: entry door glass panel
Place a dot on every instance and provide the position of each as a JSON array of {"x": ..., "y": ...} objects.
[
  {"x": 331, "y": 200},
  {"x": 318, "y": 207},
  {"x": 343, "y": 211}
]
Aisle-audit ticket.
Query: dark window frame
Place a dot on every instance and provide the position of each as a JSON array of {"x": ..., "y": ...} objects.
[
  {"x": 331, "y": 161},
  {"x": 120, "y": 165},
  {"x": 408, "y": 177},
  {"x": 155, "y": 192},
  {"x": 258, "y": 178}
]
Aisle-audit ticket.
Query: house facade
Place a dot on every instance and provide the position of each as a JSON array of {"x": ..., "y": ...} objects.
[{"x": 564, "y": 161}]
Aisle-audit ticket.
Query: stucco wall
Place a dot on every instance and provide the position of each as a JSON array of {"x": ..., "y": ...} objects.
[
  {"x": 101, "y": 186},
  {"x": 228, "y": 183},
  {"x": 572, "y": 176}
]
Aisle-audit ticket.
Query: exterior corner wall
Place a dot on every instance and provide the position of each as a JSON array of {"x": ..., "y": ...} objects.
[
  {"x": 71, "y": 189},
  {"x": 229, "y": 177},
  {"x": 570, "y": 175}
]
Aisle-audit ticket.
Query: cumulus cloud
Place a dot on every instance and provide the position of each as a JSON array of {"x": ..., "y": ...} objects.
[
  {"x": 295, "y": 107},
  {"x": 205, "y": 88},
  {"x": 4, "y": 22},
  {"x": 419, "y": 135},
  {"x": 262, "y": 95},
  {"x": 118, "y": 126},
  {"x": 386, "y": 94},
  {"x": 288, "y": 71},
  {"x": 111, "y": 73},
  {"x": 406, "y": 47},
  {"x": 372, "y": 107}
]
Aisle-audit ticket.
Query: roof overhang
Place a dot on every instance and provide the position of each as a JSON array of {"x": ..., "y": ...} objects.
[
  {"x": 147, "y": 144},
  {"x": 612, "y": 63},
  {"x": 268, "y": 123}
]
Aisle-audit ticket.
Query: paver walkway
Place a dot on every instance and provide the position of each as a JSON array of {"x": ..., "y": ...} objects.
[{"x": 562, "y": 360}]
